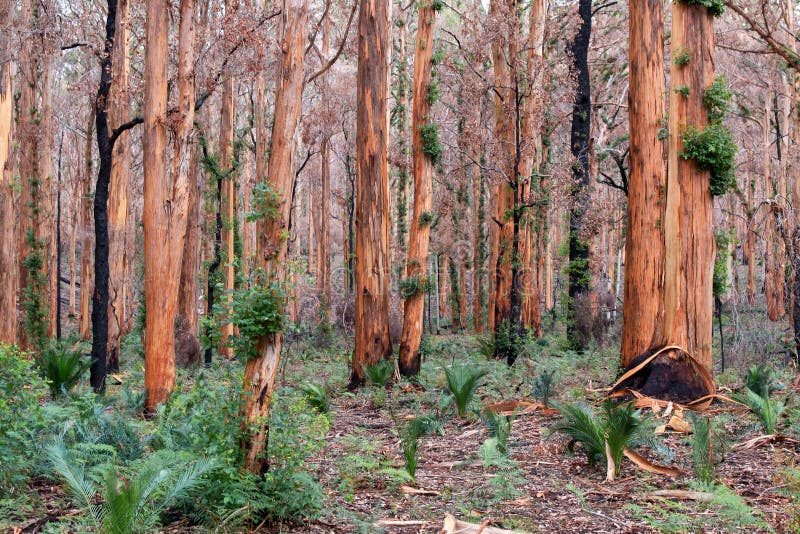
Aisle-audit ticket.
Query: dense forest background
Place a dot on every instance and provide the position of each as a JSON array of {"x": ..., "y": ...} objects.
[{"x": 261, "y": 261}]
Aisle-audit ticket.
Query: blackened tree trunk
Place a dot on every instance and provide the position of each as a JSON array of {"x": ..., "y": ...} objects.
[
  {"x": 105, "y": 146},
  {"x": 579, "y": 275}
]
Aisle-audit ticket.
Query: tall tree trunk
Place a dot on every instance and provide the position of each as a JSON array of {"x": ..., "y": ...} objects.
[
  {"x": 261, "y": 371},
  {"x": 644, "y": 243},
  {"x": 419, "y": 237},
  {"x": 689, "y": 239},
  {"x": 185, "y": 163},
  {"x": 118, "y": 113},
  {"x": 478, "y": 250},
  {"x": 322, "y": 212},
  {"x": 87, "y": 271},
  {"x": 579, "y": 273},
  {"x": 8, "y": 214},
  {"x": 444, "y": 292},
  {"x": 372, "y": 261},
  {"x": 773, "y": 275},
  {"x": 165, "y": 200},
  {"x": 226, "y": 126}
]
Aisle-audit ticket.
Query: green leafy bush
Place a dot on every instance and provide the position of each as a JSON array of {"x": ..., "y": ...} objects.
[
  {"x": 257, "y": 311},
  {"x": 21, "y": 418},
  {"x": 712, "y": 149},
  {"x": 717, "y": 98},
  {"x": 462, "y": 383},
  {"x": 62, "y": 366}
]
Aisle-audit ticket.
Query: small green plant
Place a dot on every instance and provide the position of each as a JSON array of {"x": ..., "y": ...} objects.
[
  {"x": 130, "y": 504},
  {"x": 605, "y": 436},
  {"x": 431, "y": 144},
  {"x": 434, "y": 92},
  {"x": 316, "y": 396},
  {"x": 682, "y": 57},
  {"x": 712, "y": 149},
  {"x": 766, "y": 409},
  {"x": 543, "y": 385},
  {"x": 379, "y": 374},
  {"x": 62, "y": 366},
  {"x": 683, "y": 90},
  {"x": 498, "y": 427},
  {"x": 705, "y": 444},
  {"x": 413, "y": 285},
  {"x": 761, "y": 380},
  {"x": 462, "y": 382},
  {"x": 717, "y": 98}
]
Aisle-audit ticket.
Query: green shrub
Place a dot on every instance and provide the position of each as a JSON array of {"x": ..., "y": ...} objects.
[
  {"x": 431, "y": 144},
  {"x": 499, "y": 428},
  {"x": 62, "y": 366},
  {"x": 706, "y": 444},
  {"x": 21, "y": 418},
  {"x": 462, "y": 382}
]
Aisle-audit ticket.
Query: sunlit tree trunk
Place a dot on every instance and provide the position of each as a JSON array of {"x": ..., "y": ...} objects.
[
  {"x": 689, "y": 239},
  {"x": 372, "y": 260},
  {"x": 644, "y": 243},
  {"x": 261, "y": 371},
  {"x": 165, "y": 197},
  {"x": 118, "y": 113},
  {"x": 8, "y": 214},
  {"x": 443, "y": 286}
]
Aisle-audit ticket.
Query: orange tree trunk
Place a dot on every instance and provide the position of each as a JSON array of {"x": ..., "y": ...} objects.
[
  {"x": 261, "y": 370},
  {"x": 689, "y": 239},
  {"x": 118, "y": 112},
  {"x": 372, "y": 261},
  {"x": 8, "y": 217},
  {"x": 87, "y": 278},
  {"x": 228, "y": 206},
  {"x": 420, "y": 234},
  {"x": 185, "y": 164},
  {"x": 165, "y": 207},
  {"x": 644, "y": 245},
  {"x": 478, "y": 250},
  {"x": 444, "y": 291}
]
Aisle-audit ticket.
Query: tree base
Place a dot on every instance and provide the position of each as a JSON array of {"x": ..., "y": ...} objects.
[{"x": 668, "y": 374}]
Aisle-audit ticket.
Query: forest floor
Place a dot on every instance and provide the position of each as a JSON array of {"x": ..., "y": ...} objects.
[
  {"x": 538, "y": 485},
  {"x": 541, "y": 487}
]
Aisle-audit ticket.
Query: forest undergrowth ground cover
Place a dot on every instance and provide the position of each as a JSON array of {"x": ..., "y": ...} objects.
[{"x": 344, "y": 462}]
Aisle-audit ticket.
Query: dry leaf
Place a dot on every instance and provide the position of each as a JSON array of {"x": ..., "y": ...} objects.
[
  {"x": 454, "y": 526},
  {"x": 681, "y": 495},
  {"x": 643, "y": 463}
]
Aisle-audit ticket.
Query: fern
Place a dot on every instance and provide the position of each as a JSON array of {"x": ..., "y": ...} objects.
[
  {"x": 582, "y": 426},
  {"x": 62, "y": 367},
  {"x": 499, "y": 427},
  {"x": 129, "y": 505},
  {"x": 380, "y": 373},
  {"x": 462, "y": 382},
  {"x": 609, "y": 433},
  {"x": 760, "y": 379},
  {"x": 767, "y": 410},
  {"x": 316, "y": 396}
]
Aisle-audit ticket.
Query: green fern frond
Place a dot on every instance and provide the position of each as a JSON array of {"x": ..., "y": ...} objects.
[
  {"x": 582, "y": 426},
  {"x": 462, "y": 382}
]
